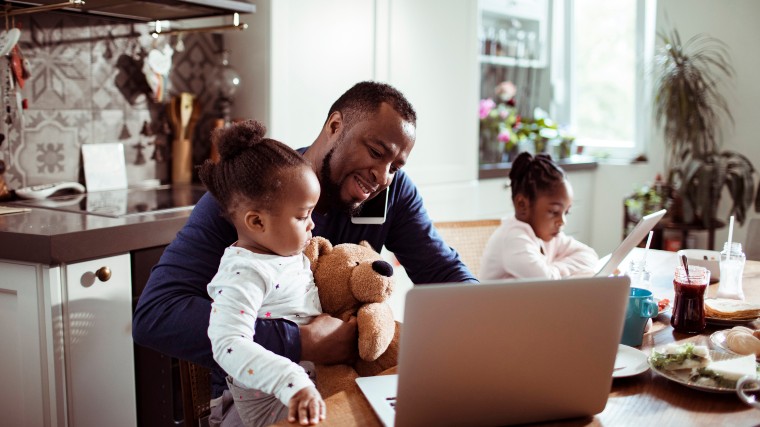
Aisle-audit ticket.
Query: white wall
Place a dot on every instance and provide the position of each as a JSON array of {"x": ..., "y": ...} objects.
[
  {"x": 735, "y": 23},
  {"x": 339, "y": 55}
]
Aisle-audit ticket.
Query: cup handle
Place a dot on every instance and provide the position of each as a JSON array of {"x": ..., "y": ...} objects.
[
  {"x": 749, "y": 399},
  {"x": 649, "y": 309}
]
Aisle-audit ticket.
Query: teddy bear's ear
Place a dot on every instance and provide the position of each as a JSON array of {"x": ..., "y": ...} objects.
[
  {"x": 317, "y": 246},
  {"x": 366, "y": 245}
]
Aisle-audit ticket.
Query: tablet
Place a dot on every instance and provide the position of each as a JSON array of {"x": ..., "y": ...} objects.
[{"x": 644, "y": 226}]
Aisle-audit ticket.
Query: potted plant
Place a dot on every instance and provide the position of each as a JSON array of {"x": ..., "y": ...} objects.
[{"x": 688, "y": 106}]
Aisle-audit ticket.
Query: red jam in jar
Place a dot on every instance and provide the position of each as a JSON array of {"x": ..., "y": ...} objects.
[{"x": 689, "y": 305}]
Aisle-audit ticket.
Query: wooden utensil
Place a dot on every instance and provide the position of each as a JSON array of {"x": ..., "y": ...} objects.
[{"x": 181, "y": 110}]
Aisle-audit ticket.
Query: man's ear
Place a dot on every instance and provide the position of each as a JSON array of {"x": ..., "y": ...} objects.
[
  {"x": 334, "y": 125},
  {"x": 254, "y": 221}
]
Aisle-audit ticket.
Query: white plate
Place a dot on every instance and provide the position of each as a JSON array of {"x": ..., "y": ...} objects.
[
  {"x": 718, "y": 339},
  {"x": 727, "y": 322},
  {"x": 629, "y": 362},
  {"x": 681, "y": 376},
  {"x": 665, "y": 310}
]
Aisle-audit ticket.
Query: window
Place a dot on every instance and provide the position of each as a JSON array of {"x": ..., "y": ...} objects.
[{"x": 600, "y": 76}]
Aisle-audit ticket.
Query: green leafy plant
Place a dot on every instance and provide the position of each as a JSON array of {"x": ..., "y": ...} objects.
[
  {"x": 688, "y": 106},
  {"x": 502, "y": 129}
]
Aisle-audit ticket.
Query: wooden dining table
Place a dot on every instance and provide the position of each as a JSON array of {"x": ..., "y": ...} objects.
[{"x": 646, "y": 399}]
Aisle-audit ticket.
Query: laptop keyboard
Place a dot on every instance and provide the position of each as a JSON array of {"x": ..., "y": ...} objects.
[{"x": 391, "y": 401}]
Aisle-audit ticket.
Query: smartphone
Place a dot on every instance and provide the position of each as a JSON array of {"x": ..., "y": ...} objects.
[{"x": 373, "y": 210}]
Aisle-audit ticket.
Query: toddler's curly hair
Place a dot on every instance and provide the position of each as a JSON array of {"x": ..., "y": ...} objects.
[{"x": 250, "y": 169}]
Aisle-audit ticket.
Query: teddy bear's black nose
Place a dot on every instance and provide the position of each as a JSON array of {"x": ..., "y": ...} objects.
[{"x": 383, "y": 268}]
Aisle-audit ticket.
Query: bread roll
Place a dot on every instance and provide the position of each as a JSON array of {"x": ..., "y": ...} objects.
[{"x": 743, "y": 343}]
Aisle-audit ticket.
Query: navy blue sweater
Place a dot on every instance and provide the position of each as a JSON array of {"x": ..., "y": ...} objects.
[{"x": 172, "y": 314}]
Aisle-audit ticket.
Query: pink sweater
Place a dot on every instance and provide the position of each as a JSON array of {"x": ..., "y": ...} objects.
[{"x": 514, "y": 251}]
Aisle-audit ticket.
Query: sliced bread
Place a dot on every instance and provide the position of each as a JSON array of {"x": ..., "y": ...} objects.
[{"x": 723, "y": 308}]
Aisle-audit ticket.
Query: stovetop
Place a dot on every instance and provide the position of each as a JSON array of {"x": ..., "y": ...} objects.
[{"x": 123, "y": 202}]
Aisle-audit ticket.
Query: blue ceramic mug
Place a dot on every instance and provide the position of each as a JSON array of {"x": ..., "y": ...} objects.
[{"x": 641, "y": 307}]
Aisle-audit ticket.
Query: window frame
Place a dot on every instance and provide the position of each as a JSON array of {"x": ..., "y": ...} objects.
[{"x": 563, "y": 79}]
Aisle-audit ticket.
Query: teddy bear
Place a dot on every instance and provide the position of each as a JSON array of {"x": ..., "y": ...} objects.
[{"x": 354, "y": 280}]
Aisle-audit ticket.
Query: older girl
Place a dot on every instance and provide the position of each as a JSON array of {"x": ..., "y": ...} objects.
[{"x": 531, "y": 243}]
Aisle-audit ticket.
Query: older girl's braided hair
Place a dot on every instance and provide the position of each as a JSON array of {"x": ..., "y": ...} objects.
[
  {"x": 250, "y": 167},
  {"x": 531, "y": 175}
]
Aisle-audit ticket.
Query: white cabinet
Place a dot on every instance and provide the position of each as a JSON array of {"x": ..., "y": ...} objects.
[
  {"x": 433, "y": 60},
  {"x": 99, "y": 349},
  {"x": 298, "y": 58},
  {"x": 31, "y": 359},
  {"x": 314, "y": 51},
  {"x": 67, "y": 352}
]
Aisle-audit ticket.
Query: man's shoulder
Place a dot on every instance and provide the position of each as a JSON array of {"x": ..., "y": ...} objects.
[{"x": 402, "y": 184}]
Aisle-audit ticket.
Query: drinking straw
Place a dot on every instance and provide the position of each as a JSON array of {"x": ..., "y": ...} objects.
[
  {"x": 646, "y": 249},
  {"x": 730, "y": 236}
]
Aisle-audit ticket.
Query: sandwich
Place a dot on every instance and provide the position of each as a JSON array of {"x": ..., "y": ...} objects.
[
  {"x": 722, "y": 308},
  {"x": 733, "y": 369},
  {"x": 680, "y": 356}
]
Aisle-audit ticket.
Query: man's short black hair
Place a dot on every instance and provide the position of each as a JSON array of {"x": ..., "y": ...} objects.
[{"x": 364, "y": 98}]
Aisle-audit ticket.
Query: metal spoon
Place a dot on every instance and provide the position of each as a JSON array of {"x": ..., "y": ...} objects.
[{"x": 686, "y": 268}]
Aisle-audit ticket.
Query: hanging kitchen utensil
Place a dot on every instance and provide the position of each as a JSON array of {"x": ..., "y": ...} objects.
[
  {"x": 180, "y": 45},
  {"x": 108, "y": 53},
  {"x": 8, "y": 40},
  {"x": 156, "y": 70},
  {"x": 17, "y": 67},
  {"x": 8, "y": 92}
]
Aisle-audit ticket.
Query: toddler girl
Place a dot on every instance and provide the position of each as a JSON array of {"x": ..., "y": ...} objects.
[{"x": 268, "y": 191}]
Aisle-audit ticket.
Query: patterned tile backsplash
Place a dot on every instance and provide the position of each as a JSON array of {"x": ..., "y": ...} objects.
[{"x": 87, "y": 85}]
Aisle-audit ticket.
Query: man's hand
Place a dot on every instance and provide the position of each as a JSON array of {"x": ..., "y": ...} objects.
[{"x": 328, "y": 340}]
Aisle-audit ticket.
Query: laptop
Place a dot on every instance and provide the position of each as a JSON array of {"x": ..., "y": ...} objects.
[
  {"x": 639, "y": 232},
  {"x": 503, "y": 352}
]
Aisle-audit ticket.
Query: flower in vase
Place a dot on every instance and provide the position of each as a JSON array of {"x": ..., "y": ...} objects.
[
  {"x": 486, "y": 106},
  {"x": 504, "y": 136}
]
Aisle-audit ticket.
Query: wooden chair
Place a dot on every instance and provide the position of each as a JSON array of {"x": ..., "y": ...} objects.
[
  {"x": 752, "y": 245},
  {"x": 196, "y": 392},
  {"x": 468, "y": 238}
]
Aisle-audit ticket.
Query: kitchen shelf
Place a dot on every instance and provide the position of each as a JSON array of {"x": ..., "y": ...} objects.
[
  {"x": 507, "y": 61},
  {"x": 9, "y": 12}
]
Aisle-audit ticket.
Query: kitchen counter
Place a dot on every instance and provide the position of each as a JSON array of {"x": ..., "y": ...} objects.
[
  {"x": 54, "y": 237},
  {"x": 573, "y": 163}
]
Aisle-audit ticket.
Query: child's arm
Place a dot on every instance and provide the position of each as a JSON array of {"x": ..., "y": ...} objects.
[
  {"x": 521, "y": 258},
  {"x": 231, "y": 328},
  {"x": 307, "y": 407},
  {"x": 577, "y": 257}
]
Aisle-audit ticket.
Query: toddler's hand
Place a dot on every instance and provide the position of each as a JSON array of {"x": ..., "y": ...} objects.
[{"x": 307, "y": 406}]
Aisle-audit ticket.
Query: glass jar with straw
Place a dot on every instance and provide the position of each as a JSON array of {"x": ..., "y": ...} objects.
[
  {"x": 637, "y": 270},
  {"x": 732, "y": 261}
]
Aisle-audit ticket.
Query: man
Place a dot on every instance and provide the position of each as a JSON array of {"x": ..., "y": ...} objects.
[{"x": 364, "y": 143}]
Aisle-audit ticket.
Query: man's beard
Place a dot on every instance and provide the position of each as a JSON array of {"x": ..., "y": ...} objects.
[{"x": 331, "y": 189}]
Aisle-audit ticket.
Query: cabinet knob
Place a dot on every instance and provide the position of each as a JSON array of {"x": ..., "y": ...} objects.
[{"x": 103, "y": 274}]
